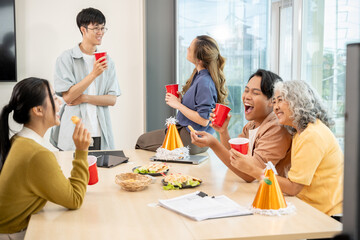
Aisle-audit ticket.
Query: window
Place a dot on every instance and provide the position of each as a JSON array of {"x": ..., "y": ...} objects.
[
  {"x": 285, "y": 41},
  {"x": 327, "y": 27},
  {"x": 308, "y": 42},
  {"x": 241, "y": 29}
]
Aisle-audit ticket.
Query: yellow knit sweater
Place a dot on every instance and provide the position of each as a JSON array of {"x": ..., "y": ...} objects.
[{"x": 30, "y": 177}]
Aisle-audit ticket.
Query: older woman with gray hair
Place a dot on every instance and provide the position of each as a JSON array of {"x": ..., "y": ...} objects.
[{"x": 317, "y": 162}]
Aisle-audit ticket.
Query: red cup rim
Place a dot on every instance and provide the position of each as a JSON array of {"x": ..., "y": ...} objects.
[
  {"x": 223, "y": 105},
  {"x": 246, "y": 140},
  {"x": 92, "y": 160},
  {"x": 99, "y": 52}
]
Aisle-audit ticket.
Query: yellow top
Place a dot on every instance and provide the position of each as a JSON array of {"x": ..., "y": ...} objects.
[
  {"x": 318, "y": 163},
  {"x": 30, "y": 177}
]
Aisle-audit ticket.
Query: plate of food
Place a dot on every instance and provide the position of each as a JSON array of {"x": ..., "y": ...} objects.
[
  {"x": 152, "y": 169},
  {"x": 179, "y": 181}
]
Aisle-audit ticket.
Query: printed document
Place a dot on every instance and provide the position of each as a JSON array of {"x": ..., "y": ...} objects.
[{"x": 200, "y": 207}]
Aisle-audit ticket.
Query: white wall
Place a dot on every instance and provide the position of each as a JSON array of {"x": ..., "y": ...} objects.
[{"x": 44, "y": 29}]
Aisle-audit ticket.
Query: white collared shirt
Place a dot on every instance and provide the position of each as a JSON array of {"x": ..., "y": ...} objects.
[
  {"x": 29, "y": 133},
  {"x": 70, "y": 69}
]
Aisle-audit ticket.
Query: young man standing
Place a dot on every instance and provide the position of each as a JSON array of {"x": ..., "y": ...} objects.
[{"x": 88, "y": 86}]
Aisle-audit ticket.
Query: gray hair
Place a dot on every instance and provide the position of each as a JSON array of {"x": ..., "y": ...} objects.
[{"x": 304, "y": 103}]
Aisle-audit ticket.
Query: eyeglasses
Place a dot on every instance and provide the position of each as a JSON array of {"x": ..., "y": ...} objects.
[{"x": 98, "y": 29}]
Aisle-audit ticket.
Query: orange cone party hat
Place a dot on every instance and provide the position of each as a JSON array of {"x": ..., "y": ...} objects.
[
  {"x": 269, "y": 199},
  {"x": 172, "y": 139},
  {"x": 173, "y": 147}
]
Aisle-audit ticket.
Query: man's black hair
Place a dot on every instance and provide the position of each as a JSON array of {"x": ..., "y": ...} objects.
[
  {"x": 268, "y": 80},
  {"x": 90, "y": 16}
]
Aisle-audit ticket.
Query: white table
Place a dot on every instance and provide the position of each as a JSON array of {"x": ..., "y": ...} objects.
[{"x": 108, "y": 212}]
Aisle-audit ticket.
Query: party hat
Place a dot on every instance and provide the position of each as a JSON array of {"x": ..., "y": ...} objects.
[
  {"x": 269, "y": 194},
  {"x": 269, "y": 198},
  {"x": 172, "y": 139},
  {"x": 172, "y": 147}
]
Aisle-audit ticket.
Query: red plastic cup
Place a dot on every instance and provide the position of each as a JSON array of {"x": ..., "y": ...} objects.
[
  {"x": 240, "y": 144},
  {"x": 99, "y": 55},
  {"x": 221, "y": 112},
  {"x": 173, "y": 89},
  {"x": 93, "y": 170}
]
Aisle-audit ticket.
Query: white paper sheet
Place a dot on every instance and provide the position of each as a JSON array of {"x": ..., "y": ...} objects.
[{"x": 201, "y": 208}]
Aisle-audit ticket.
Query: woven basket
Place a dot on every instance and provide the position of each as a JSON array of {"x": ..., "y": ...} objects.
[{"x": 132, "y": 181}]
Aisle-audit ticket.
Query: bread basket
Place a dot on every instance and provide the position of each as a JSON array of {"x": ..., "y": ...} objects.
[{"x": 132, "y": 182}]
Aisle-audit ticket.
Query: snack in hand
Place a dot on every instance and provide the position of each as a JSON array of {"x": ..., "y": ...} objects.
[
  {"x": 191, "y": 128},
  {"x": 75, "y": 119}
]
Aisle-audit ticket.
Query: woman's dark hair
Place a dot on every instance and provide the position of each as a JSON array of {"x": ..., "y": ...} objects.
[
  {"x": 28, "y": 93},
  {"x": 89, "y": 16},
  {"x": 268, "y": 80}
]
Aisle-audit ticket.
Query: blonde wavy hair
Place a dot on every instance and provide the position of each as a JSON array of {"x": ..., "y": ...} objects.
[
  {"x": 207, "y": 50},
  {"x": 304, "y": 103}
]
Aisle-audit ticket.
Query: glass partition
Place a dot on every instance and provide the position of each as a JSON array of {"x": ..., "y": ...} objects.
[{"x": 327, "y": 27}]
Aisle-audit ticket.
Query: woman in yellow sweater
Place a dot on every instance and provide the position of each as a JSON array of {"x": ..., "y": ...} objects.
[
  {"x": 317, "y": 162},
  {"x": 30, "y": 174}
]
